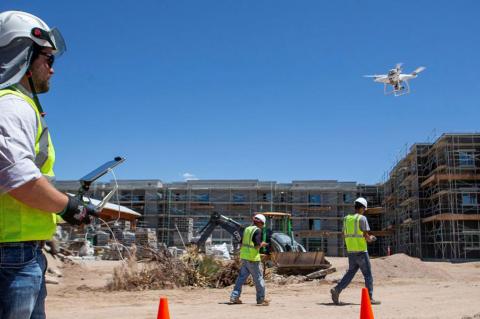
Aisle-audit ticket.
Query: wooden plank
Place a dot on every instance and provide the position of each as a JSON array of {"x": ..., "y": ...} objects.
[
  {"x": 316, "y": 233},
  {"x": 440, "y": 193},
  {"x": 286, "y": 267},
  {"x": 448, "y": 177},
  {"x": 375, "y": 211},
  {"x": 381, "y": 233},
  {"x": 310, "y": 207},
  {"x": 428, "y": 180},
  {"x": 238, "y": 207},
  {"x": 408, "y": 201},
  {"x": 390, "y": 198},
  {"x": 321, "y": 273},
  {"x": 450, "y": 217},
  {"x": 201, "y": 206},
  {"x": 317, "y": 217}
]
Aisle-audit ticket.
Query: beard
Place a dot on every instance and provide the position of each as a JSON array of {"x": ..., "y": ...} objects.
[{"x": 41, "y": 85}]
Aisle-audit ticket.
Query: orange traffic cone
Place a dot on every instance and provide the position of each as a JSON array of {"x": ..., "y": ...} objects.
[
  {"x": 366, "y": 311},
  {"x": 163, "y": 309}
]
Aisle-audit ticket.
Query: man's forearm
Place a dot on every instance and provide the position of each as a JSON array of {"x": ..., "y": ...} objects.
[
  {"x": 367, "y": 236},
  {"x": 40, "y": 194}
]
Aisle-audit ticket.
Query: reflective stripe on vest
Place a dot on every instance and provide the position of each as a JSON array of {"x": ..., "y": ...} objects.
[
  {"x": 41, "y": 156},
  {"x": 353, "y": 234},
  {"x": 248, "y": 250},
  {"x": 19, "y": 222}
]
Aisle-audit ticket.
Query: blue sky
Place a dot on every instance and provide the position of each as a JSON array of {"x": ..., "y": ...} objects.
[{"x": 269, "y": 90}]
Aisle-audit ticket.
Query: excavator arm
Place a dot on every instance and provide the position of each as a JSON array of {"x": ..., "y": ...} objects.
[
  {"x": 217, "y": 220},
  {"x": 278, "y": 242},
  {"x": 285, "y": 253}
]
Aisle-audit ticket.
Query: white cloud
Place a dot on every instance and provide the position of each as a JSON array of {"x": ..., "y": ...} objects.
[{"x": 189, "y": 177}]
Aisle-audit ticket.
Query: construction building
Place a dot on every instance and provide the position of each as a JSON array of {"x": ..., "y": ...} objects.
[
  {"x": 316, "y": 207},
  {"x": 428, "y": 207},
  {"x": 143, "y": 196},
  {"x": 374, "y": 194},
  {"x": 179, "y": 210},
  {"x": 431, "y": 200}
]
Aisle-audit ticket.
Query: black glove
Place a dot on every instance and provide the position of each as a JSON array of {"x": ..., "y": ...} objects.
[{"x": 77, "y": 212}]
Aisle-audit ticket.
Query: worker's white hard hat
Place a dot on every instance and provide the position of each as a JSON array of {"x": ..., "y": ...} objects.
[
  {"x": 260, "y": 218},
  {"x": 18, "y": 24},
  {"x": 362, "y": 201},
  {"x": 19, "y": 31}
]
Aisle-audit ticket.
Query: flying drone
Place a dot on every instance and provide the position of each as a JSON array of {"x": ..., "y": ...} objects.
[{"x": 396, "y": 79}]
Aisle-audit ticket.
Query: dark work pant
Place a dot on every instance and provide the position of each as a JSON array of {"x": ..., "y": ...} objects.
[{"x": 357, "y": 261}]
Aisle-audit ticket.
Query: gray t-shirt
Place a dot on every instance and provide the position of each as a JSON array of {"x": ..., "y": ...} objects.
[
  {"x": 364, "y": 224},
  {"x": 18, "y": 130}
]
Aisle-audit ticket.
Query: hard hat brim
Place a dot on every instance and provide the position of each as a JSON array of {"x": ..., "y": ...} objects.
[{"x": 59, "y": 42}]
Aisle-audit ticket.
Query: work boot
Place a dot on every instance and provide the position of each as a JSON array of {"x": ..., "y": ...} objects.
[
  {"x": 235, "y": 301},
  {"x": 263, "y": 302},
  {"x": 335, "y": 294},
  {"x": 375, "y": 302}
]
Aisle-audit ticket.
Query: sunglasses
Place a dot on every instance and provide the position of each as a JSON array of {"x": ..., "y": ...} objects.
[{"x": 50, "y": 58}]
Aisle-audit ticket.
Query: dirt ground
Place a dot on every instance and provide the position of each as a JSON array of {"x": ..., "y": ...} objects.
[{"x": 407, "y": 288}]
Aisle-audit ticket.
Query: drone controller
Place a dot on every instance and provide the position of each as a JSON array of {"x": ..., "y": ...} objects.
[{"x": 87, "y": 180}]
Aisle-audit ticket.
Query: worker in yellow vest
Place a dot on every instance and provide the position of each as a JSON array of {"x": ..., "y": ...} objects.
[
  {"x": 355, "y": 232},
  {"x": 29, "y": 203},
  {"x": 250, "y": 259}
]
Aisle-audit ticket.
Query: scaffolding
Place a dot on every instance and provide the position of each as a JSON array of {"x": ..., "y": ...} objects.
[
  {"x": 316, "y": 207},
  {"x": 452, "y": 188},
  {"x": 431, "y": 199},
  {"x": 428, "y": 206},
  {"x": 178, "y": 210},
  {"x": 374, "y": 194}
]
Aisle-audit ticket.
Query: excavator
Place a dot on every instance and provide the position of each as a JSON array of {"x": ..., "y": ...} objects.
[{"x": 283, "y": 251}]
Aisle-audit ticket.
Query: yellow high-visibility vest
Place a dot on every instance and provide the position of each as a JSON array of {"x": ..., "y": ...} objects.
[
  {"x": 19, "y": 222},
  {"x": 353, "y": 234},
  {"x": 248, "y": 250}
]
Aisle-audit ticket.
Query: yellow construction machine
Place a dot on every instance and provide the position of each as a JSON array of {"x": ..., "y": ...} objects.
[{"x": 283, "y": 252}]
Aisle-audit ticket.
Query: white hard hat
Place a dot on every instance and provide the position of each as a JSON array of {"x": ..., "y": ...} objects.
[
  {"x": 260, "y": 218},
  {"x": 18, "y": 33},
  {"x": 18, "y": 24},
  {"x": 362, "y": 201}
]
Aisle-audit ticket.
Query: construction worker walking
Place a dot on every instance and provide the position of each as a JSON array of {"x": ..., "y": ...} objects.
[
  {"x": 250, "y": 258},
  {"x": 29, "y": 204},
  {"x": 355, "y": 231}
]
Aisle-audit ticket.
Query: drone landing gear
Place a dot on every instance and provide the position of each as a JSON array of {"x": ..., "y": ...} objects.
[{"x": 397, "y": 89}]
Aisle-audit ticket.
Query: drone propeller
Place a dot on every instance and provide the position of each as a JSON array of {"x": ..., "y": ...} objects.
[
  {"x": 372, "y": 76},
  {"x": 398, "y": 66},
  {"x": 418, "y": 70}
]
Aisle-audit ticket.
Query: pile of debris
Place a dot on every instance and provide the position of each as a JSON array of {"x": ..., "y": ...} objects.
[
  {"x": 100, "y": 242},
  {"x": 227, "y": 275},
  {"x": 163, "y": 270}
]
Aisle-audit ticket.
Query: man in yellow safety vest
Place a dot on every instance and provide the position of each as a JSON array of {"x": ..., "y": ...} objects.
[
  {"x": 355, "y": 232},
  {"x": 250, "y": 258},
  {"x": 29, "y": 204}
]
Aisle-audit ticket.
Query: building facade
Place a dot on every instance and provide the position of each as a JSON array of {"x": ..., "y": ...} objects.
[
  {"x": 179, "y": 210},
  {"x": 432, "y": 200},
  {"x": 428, "y": 207}
]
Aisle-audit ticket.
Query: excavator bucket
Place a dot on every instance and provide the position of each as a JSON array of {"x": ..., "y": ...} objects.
[{"x": 299, "y": 263}]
